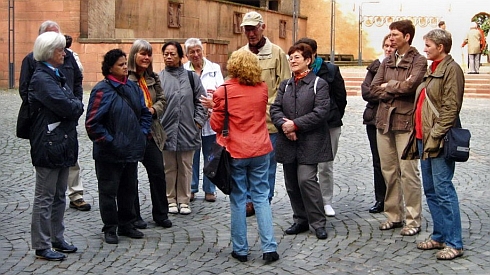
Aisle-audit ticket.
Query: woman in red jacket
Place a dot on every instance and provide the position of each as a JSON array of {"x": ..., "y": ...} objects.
[{"x": 249, "y": 145}]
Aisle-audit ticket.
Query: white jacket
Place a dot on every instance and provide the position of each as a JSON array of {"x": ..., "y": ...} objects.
[{"x": 211, "y": 78}]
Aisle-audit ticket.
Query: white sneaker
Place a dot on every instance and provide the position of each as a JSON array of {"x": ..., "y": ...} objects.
[
  {"x": 172, "y": 208},
  {"x": 329, "y": 211},
  {"x": 184, "y": 209}
]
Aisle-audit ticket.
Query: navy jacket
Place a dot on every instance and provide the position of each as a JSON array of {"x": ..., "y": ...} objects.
[
  {"x": 337, "y": 93},
  {"x": 56, "y": 109},
  {"x": 117, "y": 126}
]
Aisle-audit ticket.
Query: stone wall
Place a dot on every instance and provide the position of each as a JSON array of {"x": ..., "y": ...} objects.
[{"x": 96, "y": 27}]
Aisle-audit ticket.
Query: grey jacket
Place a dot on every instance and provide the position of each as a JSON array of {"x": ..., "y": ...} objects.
[
  {"x": 298, "y": 102},
  {"x": 185, "y": 115}
]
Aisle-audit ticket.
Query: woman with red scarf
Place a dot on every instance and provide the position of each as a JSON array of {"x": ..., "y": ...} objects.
[
  {"x": 438, "y": 103},
  {"x": 299, "y": 113}
]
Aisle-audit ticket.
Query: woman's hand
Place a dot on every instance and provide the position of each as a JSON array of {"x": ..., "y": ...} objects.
[
  {"x": 292, "y": 136},
  {"x": 288, "y": 126},
  {"x": 207, "y": 102}
]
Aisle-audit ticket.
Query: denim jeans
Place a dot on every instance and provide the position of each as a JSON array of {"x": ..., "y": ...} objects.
[
  {"x": 207, "y": 186},
  {"x": 271, "y": 173},
  {"x": 437, "y": 175},
  {"x": 251, "y": 174}
]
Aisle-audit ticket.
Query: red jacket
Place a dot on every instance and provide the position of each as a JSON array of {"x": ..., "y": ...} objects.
[{"x": 248, "y": 135}]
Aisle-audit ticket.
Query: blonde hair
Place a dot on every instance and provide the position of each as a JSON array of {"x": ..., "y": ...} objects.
[{"x": 244, "y": 66}]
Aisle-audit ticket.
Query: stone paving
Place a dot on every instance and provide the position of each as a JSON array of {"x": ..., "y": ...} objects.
[{"x": 200, "y": 242}]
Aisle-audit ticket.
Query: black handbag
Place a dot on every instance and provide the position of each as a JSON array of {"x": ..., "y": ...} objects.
[
  {"x": 217, "y": 167},
  {"x": 456, "y": 140}
]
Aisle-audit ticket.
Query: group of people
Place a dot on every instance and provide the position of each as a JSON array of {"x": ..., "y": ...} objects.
[
  {"x": 410, "y": 107},
  {"x": 282, "y": 109}
]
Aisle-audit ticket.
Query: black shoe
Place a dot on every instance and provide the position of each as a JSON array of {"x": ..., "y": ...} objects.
[
  {"x": 64, "y": 247},
  {"x": 378, "y": 207},
  {"x": 131, "y": 232},
  {"x": 50, "y": 255},
  {"x": 140, "y": 224},
  {"x": 239, "y": 257},
  {"x": 164, "y": 223},
  {"x": 270, "y": 257},
  {"x": 111, "y": 237},
  {"x": 297, "y": 228},
  {"x": 81, "y": 205},
  {"x": 321, "y": 233}
]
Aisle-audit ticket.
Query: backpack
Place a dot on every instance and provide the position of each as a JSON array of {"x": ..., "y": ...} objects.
[{"x": 24, "y": 120}]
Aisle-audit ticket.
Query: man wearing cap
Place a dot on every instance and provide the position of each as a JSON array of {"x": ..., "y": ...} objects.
[{"x": 275, "y": 68}]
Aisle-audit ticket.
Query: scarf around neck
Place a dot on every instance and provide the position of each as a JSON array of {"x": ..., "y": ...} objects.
[
  {"x": 317, "y": 64},
  {"x": 255, "y": 49},
  {"x": 299, "y": 76}
]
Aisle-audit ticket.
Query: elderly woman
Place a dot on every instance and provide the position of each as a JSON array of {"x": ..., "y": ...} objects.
[
  {"x": 299, "y": 113},
  {"x": 369, "y": 119},
  {"x": 141, "y": 72},
  {"x": 211, "y": 78},
  {"x": 249, "y": 145},
  {"x": 118, "y": 122},
  {"x": 182, "y": 121},
  {"x": 437, "y": 106},
  {"x": 54, "y": 146}
]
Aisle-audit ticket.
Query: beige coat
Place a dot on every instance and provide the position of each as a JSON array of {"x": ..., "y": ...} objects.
[{"x": 473, "y": 38}]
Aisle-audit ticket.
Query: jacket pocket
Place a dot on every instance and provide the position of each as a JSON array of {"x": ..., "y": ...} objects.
[{"x": 56, "y": 149}]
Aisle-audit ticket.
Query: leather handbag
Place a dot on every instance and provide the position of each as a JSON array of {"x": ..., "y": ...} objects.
[
  {"x": 456, "y": 140},
  {"x": 217, "y": 167}
]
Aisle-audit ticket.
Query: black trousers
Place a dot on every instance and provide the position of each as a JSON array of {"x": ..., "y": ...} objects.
[
  {"x": 153, "y": 162},
  {"x": 379, "y": 181},
  {"x": 117, "y": 184}
]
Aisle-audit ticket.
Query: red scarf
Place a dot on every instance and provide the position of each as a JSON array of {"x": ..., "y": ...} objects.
[{"x": 299, "y": 76}]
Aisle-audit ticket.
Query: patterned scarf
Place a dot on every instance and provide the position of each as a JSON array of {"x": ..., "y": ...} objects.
[
  {"x": 317, "y": 64},
  {"x": 255, "y": 49},
  {"x": 146, "y": 93},
  {"x": 299, "y": 76}
]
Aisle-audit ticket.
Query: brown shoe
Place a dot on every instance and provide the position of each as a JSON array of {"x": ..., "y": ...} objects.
[
  {"x": 250, "y": 209},
  {"x": 80, "y": 204},
  {"x": 210, "y": 197}
]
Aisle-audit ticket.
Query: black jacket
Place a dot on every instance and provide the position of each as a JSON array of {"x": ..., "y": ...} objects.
[
  {"x": 69, "y": 69},
  {"x": 337, "y": 92},
  {"x": 53, "y": 135}
]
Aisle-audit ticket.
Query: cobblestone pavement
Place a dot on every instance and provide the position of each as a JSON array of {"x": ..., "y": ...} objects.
[{"x": 200, "y": 242}]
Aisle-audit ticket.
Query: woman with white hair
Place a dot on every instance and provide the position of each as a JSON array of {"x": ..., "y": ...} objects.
[
  {"x": 54, "y": 147},
  {"x": 211, "y": 78}
]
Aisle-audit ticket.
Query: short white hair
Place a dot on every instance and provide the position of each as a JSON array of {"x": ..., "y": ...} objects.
[
  {"x": 191, "y": 43},
  {"x": 46, "y": 43},
  {"x": 48, "y": 24}
]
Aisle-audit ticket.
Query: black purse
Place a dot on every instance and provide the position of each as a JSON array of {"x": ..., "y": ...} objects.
[
  {"x": 456, "y": 141},
  {"x": 217, "y": 167}
]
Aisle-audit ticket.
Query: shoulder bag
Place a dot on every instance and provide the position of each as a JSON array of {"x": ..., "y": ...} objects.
[
  {"x": 217, "y": 167},
  {"x": 456, "y": 141}
]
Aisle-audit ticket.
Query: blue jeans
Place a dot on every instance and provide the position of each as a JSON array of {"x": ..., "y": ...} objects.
[
  {"x": 251, "y": 174},
  {"x": 271, "y": 171},
  {"x": 437, "y": 175},
  {"x": 207, "y": 186}
]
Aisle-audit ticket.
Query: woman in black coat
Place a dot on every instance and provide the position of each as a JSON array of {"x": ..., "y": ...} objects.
[
  {"x": 299, "y": 113},
  {"x": 54, "y": 147}
]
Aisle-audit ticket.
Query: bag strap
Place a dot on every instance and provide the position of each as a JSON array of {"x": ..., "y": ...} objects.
[
  {"x": 458, "y": 120},
  {"x": 191, "y": 80},
  {"x": 225, "y": 125},
  {"x": 138, "y": 114}
]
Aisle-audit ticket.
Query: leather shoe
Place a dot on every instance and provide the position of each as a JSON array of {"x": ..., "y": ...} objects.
[
  {"x": 378, "y": 207},
  {"x": 50, "y": 255},
  {"x": 111, "y": 237},
  {"x": 250, "y": 209},
  {"x": 270, "y": 257},
  {"x": 164, "y": 223},
  {"x": 241, "y": 258},
  {"x": 64, "y": 247},
  {"x": 131, "y": 232},
  {"x": 140, "y": 224},
  {"x": 297, "y": 228},
  {"x": 321, "y": 233}
]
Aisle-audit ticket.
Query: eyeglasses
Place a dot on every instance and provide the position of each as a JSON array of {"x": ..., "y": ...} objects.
[
  {"x": 169, "y": 54},
  {"x": 251, "y": 29},
  {"x": 296, "y": 57}
]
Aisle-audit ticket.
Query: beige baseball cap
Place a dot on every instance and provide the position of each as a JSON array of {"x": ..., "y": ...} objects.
[{"x": 252, "y": 18}]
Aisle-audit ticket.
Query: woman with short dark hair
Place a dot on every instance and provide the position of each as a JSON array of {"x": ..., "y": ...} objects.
[{"x": 118, "y": 122}]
